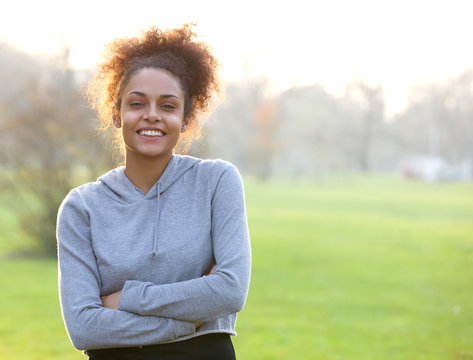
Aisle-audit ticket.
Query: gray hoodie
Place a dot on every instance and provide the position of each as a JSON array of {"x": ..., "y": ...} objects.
[{"x": 156, "y": 247}]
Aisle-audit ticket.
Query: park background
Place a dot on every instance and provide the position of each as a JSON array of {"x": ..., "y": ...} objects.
[{"x": 352, "y": 125}]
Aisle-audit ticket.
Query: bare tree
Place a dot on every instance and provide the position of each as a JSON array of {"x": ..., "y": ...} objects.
[
  {"x": 369, "y": 102},
  {"x": 243, "y": 129},
  {"x": 439, "y": 120}
]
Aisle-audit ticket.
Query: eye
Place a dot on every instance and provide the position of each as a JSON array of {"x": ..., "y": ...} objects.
[
  {"x": 136, "y": 104},
  {"x": 168, "y": 106}
]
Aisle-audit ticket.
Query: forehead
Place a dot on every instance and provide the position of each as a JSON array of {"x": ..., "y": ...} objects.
[{"x": 153, "y": 81}]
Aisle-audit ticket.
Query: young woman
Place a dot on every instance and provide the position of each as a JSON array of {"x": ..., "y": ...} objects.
[{"x": 134, "y": 246}]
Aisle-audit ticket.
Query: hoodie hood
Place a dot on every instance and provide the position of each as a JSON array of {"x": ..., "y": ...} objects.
[{"x": 121, "y": 189}]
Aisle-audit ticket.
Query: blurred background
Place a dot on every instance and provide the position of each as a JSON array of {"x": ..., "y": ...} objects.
[{"x": 352, "y": 125}]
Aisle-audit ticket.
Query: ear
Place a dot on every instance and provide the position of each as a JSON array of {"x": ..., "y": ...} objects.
[
  {"x": 116, "y": 118},
  {"x": 185, "y": 125}
]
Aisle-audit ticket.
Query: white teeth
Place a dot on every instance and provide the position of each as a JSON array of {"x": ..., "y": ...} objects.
[{"x": 151, "y": 133}]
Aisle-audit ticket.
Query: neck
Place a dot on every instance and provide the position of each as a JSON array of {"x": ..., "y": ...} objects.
[{"x": 144, "y": 172}]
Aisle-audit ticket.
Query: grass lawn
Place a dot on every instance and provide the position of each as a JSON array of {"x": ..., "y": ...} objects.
[{"x": 351, "y": 268}]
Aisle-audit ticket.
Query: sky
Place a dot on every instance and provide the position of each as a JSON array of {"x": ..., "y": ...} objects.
[{"x": 396, "y": 44}]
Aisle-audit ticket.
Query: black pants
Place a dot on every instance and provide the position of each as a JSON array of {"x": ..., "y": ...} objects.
[{"x": 204, "y": 347}]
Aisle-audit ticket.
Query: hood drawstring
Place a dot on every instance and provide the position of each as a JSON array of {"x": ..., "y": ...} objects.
[
  {"x": 156, "y": 223},
  {"x": 121, "y": 189}
]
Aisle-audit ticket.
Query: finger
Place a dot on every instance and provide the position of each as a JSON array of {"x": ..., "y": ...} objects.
[{"x": 212, "y": 271}]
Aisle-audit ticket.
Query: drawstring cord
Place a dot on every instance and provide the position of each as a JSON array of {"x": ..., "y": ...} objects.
[{"x": 155, "y": 239}]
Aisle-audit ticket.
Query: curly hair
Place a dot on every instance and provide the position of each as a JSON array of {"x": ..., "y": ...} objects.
[{"x": 174, "y": 50}]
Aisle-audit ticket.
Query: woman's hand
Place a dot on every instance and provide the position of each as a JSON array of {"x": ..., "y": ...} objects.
[
  {"x": 212, "y": 271},
  {"x": 111, "y": 301}
]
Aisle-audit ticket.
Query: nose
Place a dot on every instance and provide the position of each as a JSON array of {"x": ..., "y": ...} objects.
[{"x": 152, "y": 114}]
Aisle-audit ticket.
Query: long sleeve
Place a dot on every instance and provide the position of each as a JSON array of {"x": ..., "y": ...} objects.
[
  {"x": 209, "y": 297},
  {"x": 88, "y": 324}
]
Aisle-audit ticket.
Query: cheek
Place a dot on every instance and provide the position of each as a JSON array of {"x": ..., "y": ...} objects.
[
  {"x": 176, "y": 121},
  {"x": 127, "y": 129}
]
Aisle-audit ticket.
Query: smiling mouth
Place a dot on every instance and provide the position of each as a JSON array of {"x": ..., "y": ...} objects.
[{"x": 152, "y": 133}]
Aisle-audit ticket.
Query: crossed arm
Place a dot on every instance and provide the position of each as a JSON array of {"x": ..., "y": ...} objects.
[{"x": 112, "y": 301}]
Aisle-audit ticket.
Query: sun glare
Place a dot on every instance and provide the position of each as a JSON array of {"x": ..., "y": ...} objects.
[{"x": 328, "y": 43}]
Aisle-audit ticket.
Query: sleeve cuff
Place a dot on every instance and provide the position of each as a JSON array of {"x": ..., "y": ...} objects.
[
  {"x": 183, "y": 328},
  {"x": 130, "y": 297},
  {"x": 129, "y": 301}
]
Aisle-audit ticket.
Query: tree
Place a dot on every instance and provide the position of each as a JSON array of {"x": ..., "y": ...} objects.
[
  {"x": 370, "y": 121},
  {"x": 438, "y": 120},
  {"x": 243, "y": 129},
  {"x": 49, "y": 142}
]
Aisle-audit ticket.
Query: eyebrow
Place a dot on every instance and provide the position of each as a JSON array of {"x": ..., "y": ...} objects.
[{"x": 164, "y": 96}]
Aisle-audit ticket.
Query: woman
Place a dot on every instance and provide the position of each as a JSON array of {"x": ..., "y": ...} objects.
[{"x": 134, "y": 245}]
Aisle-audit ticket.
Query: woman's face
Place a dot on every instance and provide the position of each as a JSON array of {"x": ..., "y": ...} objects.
[{"x": 151, "y": 114}]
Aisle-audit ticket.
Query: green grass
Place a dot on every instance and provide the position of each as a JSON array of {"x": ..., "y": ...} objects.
[
  {"x": 351, "y": 268},
  {"x": 30, "y": 322}
]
